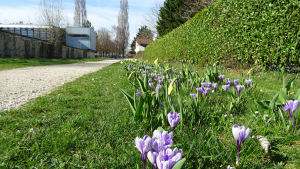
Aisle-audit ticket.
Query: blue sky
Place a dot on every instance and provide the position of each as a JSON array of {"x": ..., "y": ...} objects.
[{"x": 101, "y": 13}]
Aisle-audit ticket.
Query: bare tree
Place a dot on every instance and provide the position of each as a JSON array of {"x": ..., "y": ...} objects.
[
  {"x": 151, "y": 16},
  {"x": 104, "y": 41},
  {"x": 83, "y": 13},
  {"x": 52, "y": 18},
  {"x": 123, "y": 26},
  {"x": 116, "y": 41},
  {"x": 192, "y": 7},
  {"x": 80, "y": 17},
  {"x": 77, "y": 20}
]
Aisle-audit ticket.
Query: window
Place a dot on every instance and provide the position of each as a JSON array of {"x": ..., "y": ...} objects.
[{"x": 78, "y": 35}]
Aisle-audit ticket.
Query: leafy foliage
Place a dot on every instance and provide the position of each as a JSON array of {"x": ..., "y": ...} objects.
[
  {"x": 264, "y": 32},
  {"x": 170, "y": 16}
]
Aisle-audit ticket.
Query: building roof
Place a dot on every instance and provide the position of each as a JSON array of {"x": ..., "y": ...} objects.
[{"x": 143, "y": 42}]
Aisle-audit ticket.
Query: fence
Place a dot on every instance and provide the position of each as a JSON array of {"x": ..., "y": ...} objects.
[{"x": 13, "y": 45}]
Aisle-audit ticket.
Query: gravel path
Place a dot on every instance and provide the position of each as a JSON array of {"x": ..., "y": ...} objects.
[{"x": 18, "y": 86}]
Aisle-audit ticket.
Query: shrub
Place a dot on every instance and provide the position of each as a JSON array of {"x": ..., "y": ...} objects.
[{"x": 264, "y": 32}]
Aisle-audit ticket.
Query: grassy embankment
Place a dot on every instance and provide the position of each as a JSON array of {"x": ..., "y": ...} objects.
[{"x": 13, "y": 63}]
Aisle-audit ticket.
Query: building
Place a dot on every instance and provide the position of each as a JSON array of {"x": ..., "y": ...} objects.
[
  {"x": 81, "y": 37},
  {"x": 30, "y": 30},
  {"x": 140, "y": 44}
]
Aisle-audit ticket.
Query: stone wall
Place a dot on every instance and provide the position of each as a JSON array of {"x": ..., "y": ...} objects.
[{"x": 13, "y": 46}]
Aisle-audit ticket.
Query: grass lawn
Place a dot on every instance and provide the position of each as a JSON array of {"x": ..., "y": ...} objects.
[
  {"x": 88, "y": 123},
  {"x": 13, "y": 63}
]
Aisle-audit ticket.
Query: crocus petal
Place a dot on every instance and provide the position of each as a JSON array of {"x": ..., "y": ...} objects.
[
  {"x": 139, "y": 144},
  {"x": 166, "y": 165},
  {"x": 147, "y": 145},
  {"x": 165, "y": 135},
  {"x": 236, "y": 132},
  {"x": 247, "y": 135},
  {"x": 295, "y": 105},
  {"x": 152, "y": 157},
  {"x": 177, "y": 157},
  {"x": 285, "y": 107},
  {"x": 158, "y": 162},
  {"x": 171, "y": 135},
  {"x": 290, "y": 103}
]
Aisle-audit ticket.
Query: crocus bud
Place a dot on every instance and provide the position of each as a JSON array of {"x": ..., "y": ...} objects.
[
  {"x": 173, "y": 118},
  {"x": 248, "y": 81},
  {"x": 240, "y": 135},
  {"x": 292, "y": 106},
  {"x": 236, "y": 81}
]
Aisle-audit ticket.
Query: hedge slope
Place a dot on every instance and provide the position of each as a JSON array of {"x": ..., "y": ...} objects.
[{"x": 263, "y": 31}]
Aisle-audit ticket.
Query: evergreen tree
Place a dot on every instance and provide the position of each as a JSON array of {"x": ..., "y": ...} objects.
[
  {"x": 170, "y": 16},
  {"x": 132, "y": 46},
  {"x": 144, "y": 33}
]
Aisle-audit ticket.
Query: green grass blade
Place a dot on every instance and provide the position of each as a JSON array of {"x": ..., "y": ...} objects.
[
  {"x": 141, "y": 84},
  {"x": 129, "y": 99},
  {"x": 139, "y": 109},
  {"x": 272, "y": 104}
]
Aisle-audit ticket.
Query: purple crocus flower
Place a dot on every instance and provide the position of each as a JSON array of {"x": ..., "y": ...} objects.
[
  {"x": 214, "y": 86},
  {"x": 194, "y": 95},
  {"x": 200, "y": 90},
  {"x": 159, "y": 78},
  {"x": 162, "y": 140},
  {"x": 149, "y": 80},
  {"x": 158, "y": 87},
  {"x": 170, "y": 80},
  {"x": 139, "y": 92},
  {"x": 204, "y": 84},
  {"x": 155, "y": 72},
  {"x": 248, "y": 81},
  {"x": 206, "y": 90},
  {"x": 151, "y": 85},
  {"x": 144, "y": 146},
  {"x": 173, "y": 118},
  {"x": 168, "y": 158},
  {"x": 190, "y": 80},
  {"x": 292, "y": 106},
  {"x": 160, "y": 81},
  {"x": 236, "y": 81},
  {"x": 208, "y": 84},
  {"x": 134, "y": 68},
  {"x": 226, "y": 87},
  {"x": 240, "y": 135},
  {"x": 147, "y": 68},
  {"x": 228, "y": 81},
  {"x": 239, "y": 88},
  {"x": 176, "y": 69},
  {"x": 221, "y": 77},
  {"x": 197, "y": 72},
  {"x": 152, "y": 156},
  {"x": 176, "y": 82},
  {"x": 153, "y": 75}
]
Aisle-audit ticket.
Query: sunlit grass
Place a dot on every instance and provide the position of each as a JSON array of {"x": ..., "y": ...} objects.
[
  {"x": 88, "y": 123},
  {"x": 13, "y": 63}
]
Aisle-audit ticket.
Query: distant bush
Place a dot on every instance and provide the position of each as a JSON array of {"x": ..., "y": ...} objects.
[{"x": 265, "y": 32}]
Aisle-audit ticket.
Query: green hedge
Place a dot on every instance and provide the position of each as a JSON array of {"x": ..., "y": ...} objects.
[{"x": 250, "y": 31}]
